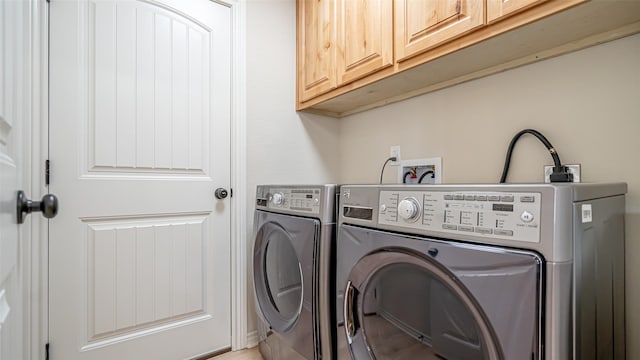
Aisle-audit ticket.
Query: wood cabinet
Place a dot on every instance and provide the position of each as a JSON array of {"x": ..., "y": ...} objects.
[
  {"x": 422, "y": 25},
  {"x": 365, "y": 38},
  {"x": 355, "y": 55},
  {"x": 340, "y": 41},
  {"x": 316, "y": 48},
  {"x": 498, "y": 9}
]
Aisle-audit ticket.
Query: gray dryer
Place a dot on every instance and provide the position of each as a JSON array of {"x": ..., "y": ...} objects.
[
  {"x": 294, "y": 232},
  {"x": 481, "y": 272}
]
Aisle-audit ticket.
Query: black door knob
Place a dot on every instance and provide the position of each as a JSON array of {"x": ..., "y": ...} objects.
[
  {"x": 221, "y": 193},
  {"x": 48, "y": 206}
]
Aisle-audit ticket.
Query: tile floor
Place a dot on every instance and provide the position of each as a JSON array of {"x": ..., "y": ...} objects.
[{"x": 247, "y": 354}]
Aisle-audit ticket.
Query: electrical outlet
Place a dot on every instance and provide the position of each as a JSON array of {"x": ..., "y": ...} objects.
[
  {"x": 394, "y": 151},
  {"x": 574, "y": 169},
  {"x": 429, "y": 170}
]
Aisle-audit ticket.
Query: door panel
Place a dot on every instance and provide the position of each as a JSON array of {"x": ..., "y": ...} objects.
[
  {"x": 140, "y": 125},
  {"x": 15, "y": 107},
  {"x": 422, "y": 25},
  {"x": 316, "y": 48},
  {"x": 147, "y": 253},
  {"x": 365, "y": 37},
  {"x": 163, "y": 78}
]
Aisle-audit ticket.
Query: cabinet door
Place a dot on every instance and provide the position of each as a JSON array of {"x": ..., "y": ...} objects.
[
  {"x": 365, "y": 37},
  {"x": 421, "y": 25},
  {"x": 497, "y": 9},
  {"x": 316, "y": 48}
]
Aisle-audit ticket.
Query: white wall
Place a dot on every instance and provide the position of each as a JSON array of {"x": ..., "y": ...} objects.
[
  {"x": 283, "y": 146},
  {"x": 587, "y": 103}
]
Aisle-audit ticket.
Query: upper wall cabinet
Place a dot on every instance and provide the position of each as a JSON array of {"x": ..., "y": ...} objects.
[
  {"x": 497, "y": 9},
  {"x": 365, "y": 38},
  {"x": 421, "y": 25},
  {"x": 340, "y": 41},
  {"x": 316, "y": 48},
  {"x": 354, "y": 55}
]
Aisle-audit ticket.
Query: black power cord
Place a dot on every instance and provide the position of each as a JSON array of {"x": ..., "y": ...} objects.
[
  {"x": 393, "y": 158},
  {"x": 560, "y": 172}
]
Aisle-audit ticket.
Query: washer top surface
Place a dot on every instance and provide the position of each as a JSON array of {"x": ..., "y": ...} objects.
[
  {"x": 538, "y": 217},
  {"x": 317, "y": 201}
]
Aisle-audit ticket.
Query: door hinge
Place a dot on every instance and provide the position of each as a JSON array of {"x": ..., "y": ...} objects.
[
  {"x": 46, "y": 351},
  {"x": 47, "y": 172}
]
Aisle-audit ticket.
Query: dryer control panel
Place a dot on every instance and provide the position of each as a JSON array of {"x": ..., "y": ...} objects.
[
  {"x": 303, "y": 200},
  {"x": 513, "y": 215}
]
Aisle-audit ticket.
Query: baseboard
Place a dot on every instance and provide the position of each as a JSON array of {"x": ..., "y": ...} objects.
[{"x": 252, "y": 339}]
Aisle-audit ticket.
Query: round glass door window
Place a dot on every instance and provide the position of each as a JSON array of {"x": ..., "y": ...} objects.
[
  {"x": 414, "y": 310},
  {"x": 282, "y": 278}
]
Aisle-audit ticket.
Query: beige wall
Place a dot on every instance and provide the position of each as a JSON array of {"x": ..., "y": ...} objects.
[
  {"x": 282, "y": 146},
  {"x": 587, "y": 103}
]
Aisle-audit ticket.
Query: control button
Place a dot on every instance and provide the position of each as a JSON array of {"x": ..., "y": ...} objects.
[
  {"x": 448, "y": 197},
  {"x": 526, "y": 216},
  {"x": 458, "y": 197},
  {"x": 503, "y": 232},
  {"x": 481, "y": 197},
  {"x": 316, "y": 200},
  {"x": 449, "y": 227},
  {"x": 409, "y": 209},
  {"x": 527, "y": 199},
  {"x": 483, "y": 230},
  {"x": 469, "y": 197},
  {"x": 506, "y": 198},
  {"x": 465, "y": 228},
  {"x": 383, "y": 208},
  {"x": 493, "y": 198},
  {"x": 277, "y": 198}
]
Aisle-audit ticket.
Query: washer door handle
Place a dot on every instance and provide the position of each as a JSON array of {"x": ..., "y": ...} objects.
[{"x": 349, "y": 323}]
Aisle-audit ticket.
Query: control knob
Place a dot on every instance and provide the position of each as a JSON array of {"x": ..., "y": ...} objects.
[
  {"x": 277, "y": 198},
  {"x": 526, "y": 216},
  {"x": 409, "y": 209}
]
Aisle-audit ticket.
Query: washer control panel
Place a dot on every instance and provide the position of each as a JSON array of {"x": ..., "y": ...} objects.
[
  {"x": 514, "y": 216},
  {"x": 299, "y": 200}
]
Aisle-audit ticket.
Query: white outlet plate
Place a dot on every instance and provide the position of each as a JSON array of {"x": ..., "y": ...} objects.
[
  {"x": 435, "y": 163},
  {"x": 395, "y": 151},
  {"x": 574, "y": 169}
]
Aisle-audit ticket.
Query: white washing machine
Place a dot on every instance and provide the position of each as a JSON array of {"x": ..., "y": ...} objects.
[
  {"x": 481, "y": 272},
  {"x": 294, "y": 235}
]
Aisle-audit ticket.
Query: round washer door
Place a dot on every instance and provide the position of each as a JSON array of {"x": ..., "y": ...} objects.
[
  {"x": 400, "y": 304},
  {"x": 279, "y": 279},
  {"x": 283, "y": 270}
]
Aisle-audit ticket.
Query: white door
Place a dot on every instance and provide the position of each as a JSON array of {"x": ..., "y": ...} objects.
[
  {"x": 13, "y": 103},
  {"x": 139, "y": 141}
]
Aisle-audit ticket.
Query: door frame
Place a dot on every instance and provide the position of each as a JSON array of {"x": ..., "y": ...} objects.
[
  {"x": 34, "y": 233},
  {"x": 36, "y": 145}
]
